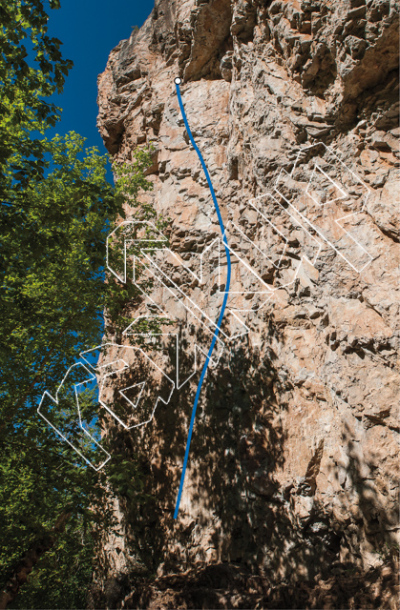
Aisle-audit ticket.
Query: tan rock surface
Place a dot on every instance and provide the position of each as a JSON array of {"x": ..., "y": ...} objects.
[{"x": 291, "y": 495}]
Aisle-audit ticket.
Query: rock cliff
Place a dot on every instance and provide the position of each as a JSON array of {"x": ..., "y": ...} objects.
[{"x": 291, "y": 494}]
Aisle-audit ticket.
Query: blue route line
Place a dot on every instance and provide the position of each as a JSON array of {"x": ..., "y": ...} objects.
[{"x": 221, "y": 315}]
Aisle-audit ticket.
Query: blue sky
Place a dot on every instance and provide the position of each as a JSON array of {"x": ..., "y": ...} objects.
[{"x": 89, "y": 29}]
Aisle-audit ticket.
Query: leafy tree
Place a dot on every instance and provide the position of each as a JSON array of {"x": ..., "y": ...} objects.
[
  {"x": 31, "y": 70},
  {"x": 52, "y": 296},
  {"x": 56, "y": 208},
  {"x": 64, "y": 572}
]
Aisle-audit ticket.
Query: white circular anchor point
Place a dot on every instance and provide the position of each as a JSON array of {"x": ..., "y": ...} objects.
[{"x": 178, "y": 81}]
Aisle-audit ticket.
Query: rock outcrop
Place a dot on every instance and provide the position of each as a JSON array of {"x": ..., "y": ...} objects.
[{"x": 291, "y": 495}]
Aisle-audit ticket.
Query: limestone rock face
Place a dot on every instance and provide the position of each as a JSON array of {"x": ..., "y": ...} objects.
[{"x": 291, "y": 494}]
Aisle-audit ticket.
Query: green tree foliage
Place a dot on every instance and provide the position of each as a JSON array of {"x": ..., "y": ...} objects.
[
  {"x": 52, "y": 287},
  {"x": 64, "y": 572},
  {"x": 52, "y": 295},
  {"x": 56, "y": 208},
  {"x": 25, "y": 88}
]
